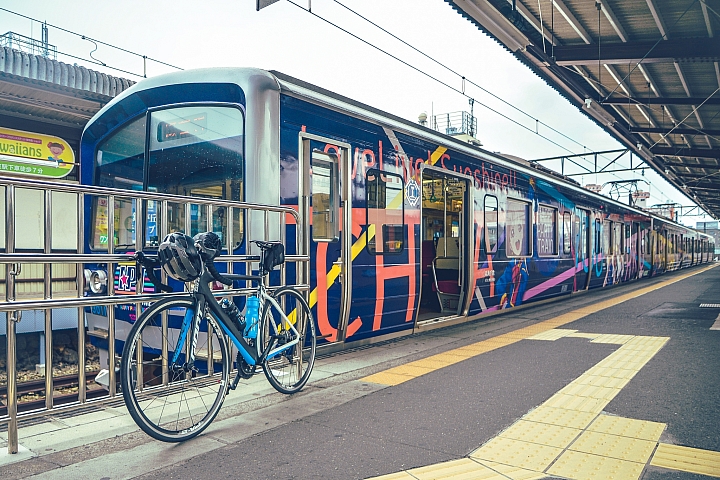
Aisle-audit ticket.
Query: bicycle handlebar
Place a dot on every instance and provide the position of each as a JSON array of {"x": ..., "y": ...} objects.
[
  {"x": 217, "y": 275},
  {"x": 150, "y": 264}
]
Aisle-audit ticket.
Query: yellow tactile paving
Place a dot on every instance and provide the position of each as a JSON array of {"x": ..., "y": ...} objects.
[
  {"x": 628, "y": 427},
  {"x": 612, "y": 338},
  {"x": 542, "y": 433},
  {"x": 396, "y": 476},
  {"x": 601, "y": 381},
  {"x": 412, "y": 370},
  {"x": 387, "y": 378},
  {"x": 687, "y": 459},
  {"x": 611, "y": 372},
  {"x": 560, "y": 416},
  {"x": 552, "y": 335},
  {"x": 584, "y": 335},
  {"x": 614, "y": 446},
  {"x": 587, "y": 390},
  {"x": 516, "y": 453},
  {"x": 463, "y": 469},
  {"x": 433, "y": 362},
  {"x": 574, "y": 402},
  {"x": 513, "y": 473},
  {"x": 567, "y": 427},
  {"x": 584, "y": 466}
]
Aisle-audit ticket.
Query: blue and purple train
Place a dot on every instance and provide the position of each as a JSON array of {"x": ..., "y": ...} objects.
[{"x": 410, "y": 228}]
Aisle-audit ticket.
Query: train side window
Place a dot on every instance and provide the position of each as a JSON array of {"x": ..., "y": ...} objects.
[
  {"x": 491, "y": 223},
  {"x": 567, "y": 234},
  {"x": 547, "y": 231},
  {"x": 385, "y": 212},
  {"x": 518, "y": 229},
  {"x": 324, "y": 197}
]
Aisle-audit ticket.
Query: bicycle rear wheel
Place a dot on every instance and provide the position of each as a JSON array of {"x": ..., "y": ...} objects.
[
  {"x": 289, "y": 370},
  {"x": 170, "y": 401}
]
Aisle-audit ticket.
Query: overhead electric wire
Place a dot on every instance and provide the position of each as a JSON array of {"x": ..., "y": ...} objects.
[
  {"x": 638, "y": 102},
  {"x": 455, "y": 73},
  {"x": 85, "y": 37},
  {"x": 442, "y": 82},
  {"x": 428, "y": 75},
  {"x": 464, "y": 79}
]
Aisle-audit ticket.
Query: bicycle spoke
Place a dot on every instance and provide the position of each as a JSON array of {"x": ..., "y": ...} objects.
[{"x": 184, "y": 405}]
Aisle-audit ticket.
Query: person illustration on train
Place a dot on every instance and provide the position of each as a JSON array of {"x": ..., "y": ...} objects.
[
  {"x": 56, "y": 149},
  {"x": 512, "y": 283}
]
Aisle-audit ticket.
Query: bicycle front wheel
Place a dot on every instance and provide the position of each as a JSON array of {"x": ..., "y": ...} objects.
[
  {"x": 170, "y": 397},
  {"x": 289, "y": 369}
]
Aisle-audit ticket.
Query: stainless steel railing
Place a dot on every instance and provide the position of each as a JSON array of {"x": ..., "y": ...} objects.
[{"x": 272, "y": 219}]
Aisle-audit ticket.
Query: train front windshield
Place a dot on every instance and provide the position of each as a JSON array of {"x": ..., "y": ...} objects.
[{"x": 193, "y": 151}]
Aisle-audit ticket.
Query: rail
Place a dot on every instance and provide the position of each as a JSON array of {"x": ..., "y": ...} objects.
[{"x": 169, "y": 213}]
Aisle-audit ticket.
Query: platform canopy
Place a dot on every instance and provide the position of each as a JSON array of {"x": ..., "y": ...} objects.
[
  {"x": 647, "y": 71},
  {"x": 44, "y": 95}
]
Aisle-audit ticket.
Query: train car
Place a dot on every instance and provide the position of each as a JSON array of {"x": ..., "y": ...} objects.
[{"x": 409, "y": 228}]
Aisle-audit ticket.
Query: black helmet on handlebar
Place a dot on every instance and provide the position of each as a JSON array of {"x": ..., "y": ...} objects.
[
  {"x": 209, "y": 244},
  {"x": 179, "y": 257}
]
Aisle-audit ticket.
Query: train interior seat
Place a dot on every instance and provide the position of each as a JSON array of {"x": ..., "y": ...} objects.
[{"x": 446, "y": 274}]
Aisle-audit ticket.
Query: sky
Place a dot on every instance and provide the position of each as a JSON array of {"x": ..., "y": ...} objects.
[{"x": 287, "y": 37}]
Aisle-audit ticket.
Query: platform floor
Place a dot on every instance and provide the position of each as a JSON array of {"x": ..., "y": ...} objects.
[{"x": 622, "y": 383}]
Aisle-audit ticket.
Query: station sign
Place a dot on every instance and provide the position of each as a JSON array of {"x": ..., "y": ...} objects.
[{"x": 28, "y": 154}]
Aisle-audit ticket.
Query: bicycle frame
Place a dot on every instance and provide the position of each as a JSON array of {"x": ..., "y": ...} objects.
[{"x": 202, "y": 296}]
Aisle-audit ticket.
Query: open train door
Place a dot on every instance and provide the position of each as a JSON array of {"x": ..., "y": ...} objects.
[
  {"x": 325, "y": 193},
  {"x": 444, "y": 252}
]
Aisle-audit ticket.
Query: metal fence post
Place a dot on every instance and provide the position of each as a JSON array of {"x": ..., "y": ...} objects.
[{"x": 10, "y": 272}]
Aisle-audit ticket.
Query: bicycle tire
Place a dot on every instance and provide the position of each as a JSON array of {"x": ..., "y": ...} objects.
[
  {"x": 173, "y": 404},
  {"x": 289, "y": 371}
]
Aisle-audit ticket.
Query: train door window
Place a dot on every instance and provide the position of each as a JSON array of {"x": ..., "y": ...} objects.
[
  {"x": 385, "y": 212},
  {"x": 581, "y": 228},
  {"x": 491, "y": 223},
  {"x": 628, "y": 236},
  {"x": 617, "y": 238},
  {"x": 567, "y": 234},
  {"x": 518, "y": 228},
  {"x": 596, "y": 247},
  {"x": 547, "y": 231},
  {"x": 642, "y": 244},
  {"x": 606, "y": 245},
  {"x": 324, "y": 197}
]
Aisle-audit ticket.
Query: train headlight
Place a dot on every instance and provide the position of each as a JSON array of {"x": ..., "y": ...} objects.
[{"x": 96, "y": 281}]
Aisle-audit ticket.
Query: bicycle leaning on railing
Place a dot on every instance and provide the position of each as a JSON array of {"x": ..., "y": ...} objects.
[{"x": 176, "y": 362}]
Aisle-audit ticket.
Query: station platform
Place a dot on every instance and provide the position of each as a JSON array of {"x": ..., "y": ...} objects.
[{"x": 620, "y": 383}]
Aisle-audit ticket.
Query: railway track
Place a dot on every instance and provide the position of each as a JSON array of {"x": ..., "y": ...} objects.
[{"x": 26, "y": 389}]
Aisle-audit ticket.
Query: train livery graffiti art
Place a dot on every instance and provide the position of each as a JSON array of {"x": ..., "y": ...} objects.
[{"x": 408, "y": 228}]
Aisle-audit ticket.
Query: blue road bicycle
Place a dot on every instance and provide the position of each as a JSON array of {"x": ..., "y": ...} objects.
[{"x": 176, "y": 363}]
